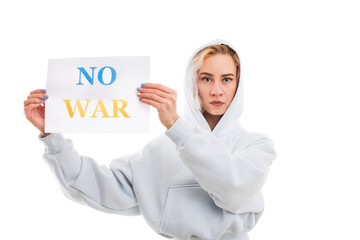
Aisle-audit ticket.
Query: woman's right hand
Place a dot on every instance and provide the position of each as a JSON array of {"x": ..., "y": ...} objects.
[{"x": 34, "y": 108}]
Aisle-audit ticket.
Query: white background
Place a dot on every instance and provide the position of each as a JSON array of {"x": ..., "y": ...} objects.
[{"x": 301, "y": 72}]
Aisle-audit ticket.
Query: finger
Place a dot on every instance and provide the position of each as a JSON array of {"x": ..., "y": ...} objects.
[
  {"x": 153, "y": 97},
  {"x": 32, "y": 100},
  {"x": 30, "y": 107},
  {"x": 38, "y": 91},
  {"x": 154, "y": 94},
  {"x": 38, "y": 95},
  {"x": 150, "y": 102},
  {"x": 159, "y": 86}
]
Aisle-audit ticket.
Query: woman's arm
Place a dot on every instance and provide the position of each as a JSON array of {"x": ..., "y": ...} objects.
[
  {"x": 230, "y": 178},
  {"x": 107, "y": 189}
]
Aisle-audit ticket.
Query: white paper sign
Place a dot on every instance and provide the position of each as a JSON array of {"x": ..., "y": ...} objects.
[{"x": 96, "y": 95}]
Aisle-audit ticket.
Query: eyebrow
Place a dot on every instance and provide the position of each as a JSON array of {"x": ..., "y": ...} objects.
[{"x": 224, "y": 75}]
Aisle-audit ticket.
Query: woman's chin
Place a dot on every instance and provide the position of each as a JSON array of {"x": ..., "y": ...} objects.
[{"x": 215, "y": 112}]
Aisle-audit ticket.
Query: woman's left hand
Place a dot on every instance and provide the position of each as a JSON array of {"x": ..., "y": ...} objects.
[{"x": 163, "y": 99}]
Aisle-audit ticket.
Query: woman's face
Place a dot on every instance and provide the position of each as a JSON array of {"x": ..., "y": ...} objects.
[{"x": 217, "y": 82}]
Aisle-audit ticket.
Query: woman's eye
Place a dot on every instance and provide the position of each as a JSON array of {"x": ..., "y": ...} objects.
[
  {"x": 206, "y": 79},
  {"x": 227, "y": 79}
]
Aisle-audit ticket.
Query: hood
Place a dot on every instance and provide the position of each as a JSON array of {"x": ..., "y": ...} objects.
[{"x": 230, "y": 120}]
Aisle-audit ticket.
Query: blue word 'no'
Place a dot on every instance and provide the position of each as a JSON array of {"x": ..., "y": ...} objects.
[{"x": 100, "y": 75}]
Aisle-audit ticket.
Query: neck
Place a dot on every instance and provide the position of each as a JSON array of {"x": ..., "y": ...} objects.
[{"x": 212, "y": 120}]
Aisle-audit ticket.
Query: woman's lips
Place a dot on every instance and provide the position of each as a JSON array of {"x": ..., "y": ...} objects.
[{"x": 215, "y": 103}]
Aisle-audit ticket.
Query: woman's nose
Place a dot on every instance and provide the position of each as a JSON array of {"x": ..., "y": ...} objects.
[{"x": 216, "y": 89}]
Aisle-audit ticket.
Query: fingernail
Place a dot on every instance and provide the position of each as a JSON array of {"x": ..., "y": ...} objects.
[
  {"x": 138, "y": 93},
  {"x": 143, "y": 84},
  {"x": 46, "y": 96},
  {"x": 42, "y": 100},
  {"x": 43, "y": 90},
  {"x": 139, "y": 99},
  {"x": 139, "y": 88}
]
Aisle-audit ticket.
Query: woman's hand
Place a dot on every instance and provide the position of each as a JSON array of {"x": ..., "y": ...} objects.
[
  {"x": 34, "y": 109},
  {"x": 163, "y": 99}
]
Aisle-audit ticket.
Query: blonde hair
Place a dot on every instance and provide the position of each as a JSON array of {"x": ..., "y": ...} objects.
[{"x": 197, "y": 62}]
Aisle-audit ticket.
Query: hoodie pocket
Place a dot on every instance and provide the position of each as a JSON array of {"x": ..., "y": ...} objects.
[{"x": 190, "y": 212}]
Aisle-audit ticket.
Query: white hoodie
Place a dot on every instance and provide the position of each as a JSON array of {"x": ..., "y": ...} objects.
[{"x": 188, "y": 183}]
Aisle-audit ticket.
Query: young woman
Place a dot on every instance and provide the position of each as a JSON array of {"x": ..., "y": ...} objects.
[{"x": 201, "y": 179}]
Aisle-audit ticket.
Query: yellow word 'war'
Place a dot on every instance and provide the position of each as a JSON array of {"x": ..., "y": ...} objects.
[{"x": 99, "y": 108}]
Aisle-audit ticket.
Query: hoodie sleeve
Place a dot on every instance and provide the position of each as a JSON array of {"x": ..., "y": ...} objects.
[
  {"x": 81, "y": 179},
  {"x": 230, "y": 177}
]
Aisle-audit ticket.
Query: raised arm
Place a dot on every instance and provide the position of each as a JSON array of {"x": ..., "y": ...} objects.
[
  {"x": 230, "y": 177},
  {"x": 107, "y": 189}
]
